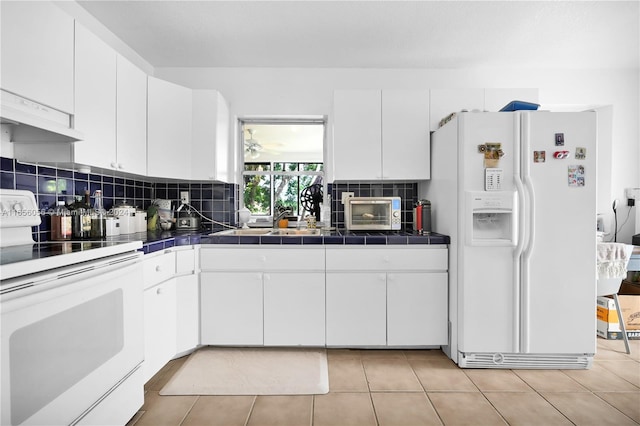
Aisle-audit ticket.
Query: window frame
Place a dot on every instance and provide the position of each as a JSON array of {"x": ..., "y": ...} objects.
[{"x": 243, "y": 122}]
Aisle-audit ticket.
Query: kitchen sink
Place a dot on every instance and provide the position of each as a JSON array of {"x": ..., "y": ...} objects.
[
  {"x": 281, "y": 232},
  {"x": 290, "y": 232},
  {"x": 244, "y": 231}
]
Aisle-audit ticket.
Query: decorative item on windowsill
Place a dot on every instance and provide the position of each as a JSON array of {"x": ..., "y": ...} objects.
[{"x": 311, "y": 200}]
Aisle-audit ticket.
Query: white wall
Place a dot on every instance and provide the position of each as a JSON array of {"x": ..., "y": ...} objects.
[{"x": 270, "y": 91}]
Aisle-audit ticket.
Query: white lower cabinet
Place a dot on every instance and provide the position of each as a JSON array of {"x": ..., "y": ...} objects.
[
  {"x": 187, "y": 300},
  {"x": 258, "y": 296},
  {"x": 187, "y": 313},
  {"x": 231, "y": 308},
  {"x": 336, "y": 296},
  {"x": 380, "y": 296},
  {"x": 356, "y": 309},
  {"x": 294, "y": 309},
  {"x": 417, "y": 308},
  {"x": 159, "y": 326}
]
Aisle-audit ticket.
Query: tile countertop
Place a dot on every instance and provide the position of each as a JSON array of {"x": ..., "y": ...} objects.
[{"x": 155, "y": 241}]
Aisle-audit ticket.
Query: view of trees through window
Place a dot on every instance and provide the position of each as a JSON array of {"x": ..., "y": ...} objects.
[
  {"x": 264, "y": 191},
  {"x": 281, "y": 160}
]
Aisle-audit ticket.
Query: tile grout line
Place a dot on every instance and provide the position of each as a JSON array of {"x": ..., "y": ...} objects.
[
  {"x": 364, "y": 371},
  {"x": 189, "y": 410},
  {"x": 253, "y": 403},
  {"x": 426, "y": 394}
]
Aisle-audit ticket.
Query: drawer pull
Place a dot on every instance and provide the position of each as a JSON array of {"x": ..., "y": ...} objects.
[
  {"x": 158, "y": 268},
  {"x": 160, "y": 290}
]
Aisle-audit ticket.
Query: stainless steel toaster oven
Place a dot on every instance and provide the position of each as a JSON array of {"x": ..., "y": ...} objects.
[{"x": 373, "y": 213}]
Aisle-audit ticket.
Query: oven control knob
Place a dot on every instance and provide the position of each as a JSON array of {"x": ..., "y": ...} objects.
[{"x": 396, "y": 214}]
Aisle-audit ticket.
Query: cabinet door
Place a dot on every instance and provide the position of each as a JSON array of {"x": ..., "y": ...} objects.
[
  {"x": 37, "y": 52},
  {"x": 294, "y": 309},
  {"x": 95, "y": 100},
  {"x": 417, "y": 309},
  {"x": 169, "y": 130},
  {"x": 210, "y": 156},
  {"x": 131, "y": 112},
  {"x": 231, "y": 308},
  {"x": 357, "y": 135},
  {"x": 405, "y": 135},
  {"x": 356, "y": 309},
  {"x": 159, "y": 326},
  {"x": 187, "y": 313}
]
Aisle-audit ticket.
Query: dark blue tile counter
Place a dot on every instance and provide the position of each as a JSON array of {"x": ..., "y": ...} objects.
[
  {"x": 156, "y": 241},
  {"x": 339, "y": 237}
]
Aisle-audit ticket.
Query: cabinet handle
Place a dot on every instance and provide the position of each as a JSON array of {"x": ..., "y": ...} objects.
[
  {"x": 160, "y": 290},
  {"x": 114, "y": 165},
  {"x": 158, "y": 268},
  {"x": 386, "y": 259},
  {"x": 267, "y": 277},
  {"x": 263, "y": 259},
  {"x": 121, "y": 166}
]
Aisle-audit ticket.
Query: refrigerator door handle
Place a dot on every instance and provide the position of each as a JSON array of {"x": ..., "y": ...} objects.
[
  {"x": 517, "y": 263},
  {"x": 529, "y": 223},
  {"x": 520, "y": 194}
]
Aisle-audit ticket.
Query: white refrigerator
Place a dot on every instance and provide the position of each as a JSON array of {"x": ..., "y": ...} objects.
[{"x": 516, "y": 192}]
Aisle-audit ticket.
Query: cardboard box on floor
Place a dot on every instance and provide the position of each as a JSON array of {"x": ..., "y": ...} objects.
[{"x": 608, "y": 326}]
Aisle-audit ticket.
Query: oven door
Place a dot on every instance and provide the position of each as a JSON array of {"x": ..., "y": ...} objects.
[{"x": 68, "y": 339}]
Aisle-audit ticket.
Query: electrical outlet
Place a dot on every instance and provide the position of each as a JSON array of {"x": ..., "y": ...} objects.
[
  {"x": 184, "y": 197},
  {"x": 600, "y": 224},
  {"x": 632, "y": 193},
  {"x": 346, "y": 195}
]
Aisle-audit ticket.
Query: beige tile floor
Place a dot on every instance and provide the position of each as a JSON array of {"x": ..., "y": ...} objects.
[{"x": 373, "y": 387}]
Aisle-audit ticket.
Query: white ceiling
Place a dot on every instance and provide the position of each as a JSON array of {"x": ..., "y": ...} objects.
[{"x": 377, "y": 34}]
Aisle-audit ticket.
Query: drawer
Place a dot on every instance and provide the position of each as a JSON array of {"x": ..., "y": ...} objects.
[
  {"x": 307, "y": 259},
  {"x": 158, "y": 268},
  {"x": 387, "y": 259}
]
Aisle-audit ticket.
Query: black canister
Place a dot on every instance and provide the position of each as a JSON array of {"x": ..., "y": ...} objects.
[{"x": 426, "y": 216}]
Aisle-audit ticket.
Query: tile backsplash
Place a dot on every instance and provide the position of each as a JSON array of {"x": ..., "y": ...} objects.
[{"x": 218, "y": 201}]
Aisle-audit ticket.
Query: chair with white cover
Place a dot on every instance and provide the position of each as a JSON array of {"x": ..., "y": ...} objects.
[{"x": 612, "y": 262}]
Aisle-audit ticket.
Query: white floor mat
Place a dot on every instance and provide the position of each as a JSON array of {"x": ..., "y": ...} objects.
[{"x": 251, "y": 371}]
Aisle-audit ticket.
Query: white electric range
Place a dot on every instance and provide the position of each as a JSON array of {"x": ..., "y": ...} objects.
[{"x": 71, "y": 322}]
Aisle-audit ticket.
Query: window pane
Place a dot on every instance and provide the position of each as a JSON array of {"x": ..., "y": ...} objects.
[
  {"x": 257, "y": 194},
  {"x": 286, "y": 192},
  {"x": 257, "y": 167}
]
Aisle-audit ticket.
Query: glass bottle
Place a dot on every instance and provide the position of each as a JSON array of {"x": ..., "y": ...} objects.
[
  {"x": 81, "y": 218},
  {"x": 61, "y": 227},
  {"x": 98, "y": 217}
]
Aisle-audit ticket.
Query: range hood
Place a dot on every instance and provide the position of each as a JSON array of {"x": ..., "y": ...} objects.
[{"x": 30, "y": 122}]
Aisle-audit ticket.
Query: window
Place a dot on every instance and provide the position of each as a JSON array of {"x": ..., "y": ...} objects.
[{"x": 281, "y": 160}]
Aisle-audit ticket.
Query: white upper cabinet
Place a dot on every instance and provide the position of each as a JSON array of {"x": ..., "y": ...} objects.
[
  {"x": 381, "y": 135},
  {"x": 95, "y": 100},
  {"x": 169, "y": 129},
  {"x": 406, "y": 145},
  {"x": 357, "y": 134},
  {"x": 210, "y": 159},
  {"x": 37, "y": 53},
  {"x": 131, "y": 118}
]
